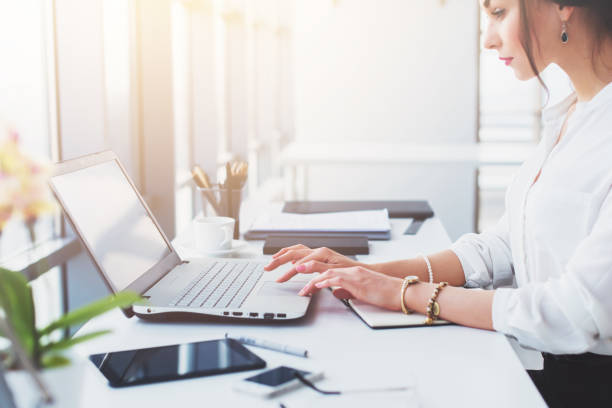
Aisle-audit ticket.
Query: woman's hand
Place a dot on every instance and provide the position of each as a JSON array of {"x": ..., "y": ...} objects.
[
  {"x": 308, "y": 260},
  {"x": 359, "y": 283}
]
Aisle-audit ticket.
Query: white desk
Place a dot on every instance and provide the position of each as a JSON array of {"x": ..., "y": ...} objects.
[{"x": 451, "y": 365}]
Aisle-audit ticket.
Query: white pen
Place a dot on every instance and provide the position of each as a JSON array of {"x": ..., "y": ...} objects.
[{"x": 296, "y": 351}]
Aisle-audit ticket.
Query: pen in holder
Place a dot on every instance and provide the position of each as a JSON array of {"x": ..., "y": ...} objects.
[{"x": 223, "y": 202}]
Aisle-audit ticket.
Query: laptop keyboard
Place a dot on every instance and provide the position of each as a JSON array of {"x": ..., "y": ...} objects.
[{"x": 220, "y": 285}]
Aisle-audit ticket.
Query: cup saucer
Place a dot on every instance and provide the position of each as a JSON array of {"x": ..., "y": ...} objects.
[{"x": 237, "y": 245}]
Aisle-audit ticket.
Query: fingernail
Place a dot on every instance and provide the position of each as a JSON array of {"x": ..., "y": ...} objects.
[
  {"x": 301, "y": 292},
  {"x": 300, "y": 268}
]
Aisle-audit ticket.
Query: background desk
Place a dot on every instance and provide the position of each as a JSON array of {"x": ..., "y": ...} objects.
[
  {"x": 299, "y": 157},
  {"x": 451, "y": 365},
  {"x": 448, "y": 175}
]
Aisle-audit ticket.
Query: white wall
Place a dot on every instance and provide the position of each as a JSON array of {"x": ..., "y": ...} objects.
[
  {"x": 394, "y": 70},
  {"x": 390, "y": 71}
]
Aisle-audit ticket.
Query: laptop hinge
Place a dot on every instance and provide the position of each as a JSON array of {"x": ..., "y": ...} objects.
[{"x": 154, "y": 275}]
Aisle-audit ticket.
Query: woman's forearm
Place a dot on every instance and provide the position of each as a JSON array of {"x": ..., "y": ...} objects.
[
  {"x": 467, "y": 307},
  {"x": 445, "y": 265}
]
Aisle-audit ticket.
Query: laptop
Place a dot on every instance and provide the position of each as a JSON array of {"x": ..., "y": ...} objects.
[{"x": 131, "y": 252}]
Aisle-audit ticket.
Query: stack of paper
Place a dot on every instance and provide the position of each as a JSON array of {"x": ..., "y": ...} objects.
[{"x": 349, "y": 222}]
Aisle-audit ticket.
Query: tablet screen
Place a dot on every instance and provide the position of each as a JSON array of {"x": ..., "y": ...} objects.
[{"x": 175, "y": 362}]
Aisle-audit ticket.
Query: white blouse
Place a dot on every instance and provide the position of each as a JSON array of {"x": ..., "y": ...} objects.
[{"x": 553, "y": 246}]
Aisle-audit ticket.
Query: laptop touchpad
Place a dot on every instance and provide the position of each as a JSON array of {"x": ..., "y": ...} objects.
[{"x": 280, "y": 289}]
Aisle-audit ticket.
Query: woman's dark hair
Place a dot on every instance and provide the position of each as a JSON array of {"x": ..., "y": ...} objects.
[{"x": 599, "y": 12}]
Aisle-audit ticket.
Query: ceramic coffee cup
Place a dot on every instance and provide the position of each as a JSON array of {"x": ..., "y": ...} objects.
[{"x": 213, "y": 233}]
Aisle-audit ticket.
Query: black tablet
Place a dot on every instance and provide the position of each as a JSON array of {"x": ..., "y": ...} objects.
[{"x": 144, "y": 366}]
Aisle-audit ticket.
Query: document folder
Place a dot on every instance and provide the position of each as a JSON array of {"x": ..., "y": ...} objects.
[{"x": 374, "y": 224}]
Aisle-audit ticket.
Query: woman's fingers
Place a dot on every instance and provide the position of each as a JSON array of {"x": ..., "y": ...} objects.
[
  {"x": 315, "y": 255},
  {"x": 284, "y": 250},
  {"x": 359, "y": 283},
  {"x": 299, "y": 255},
  {"x": 313, "y": 266},
  {"x": 286, "y": 276},
  {"x": 308, "y": 267},
  {"x": 328, "y": 283},
  {"x": 324, "y": 256},
  {"x": 312, "y": 285},
  {"x": 291, "y": 255},
  {"x": 339, "y": 292}
]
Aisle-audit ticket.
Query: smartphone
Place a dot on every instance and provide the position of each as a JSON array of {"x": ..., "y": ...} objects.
[{"x": 275, "y": 381}]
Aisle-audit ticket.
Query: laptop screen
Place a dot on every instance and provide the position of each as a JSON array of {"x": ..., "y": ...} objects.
[{"x": 112, "y": 221}]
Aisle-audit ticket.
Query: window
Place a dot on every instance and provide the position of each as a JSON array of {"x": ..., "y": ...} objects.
[
  {"x": 27, "y": 107},
  {"x": 178, "y": 82},
  {"x": 24, "y": 101},
  {"x": 232, "y": 82}
]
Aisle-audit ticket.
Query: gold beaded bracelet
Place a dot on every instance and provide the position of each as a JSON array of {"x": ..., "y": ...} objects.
[{"x": 433, "y": 308}]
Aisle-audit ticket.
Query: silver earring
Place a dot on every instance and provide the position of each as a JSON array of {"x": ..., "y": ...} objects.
[{"x": 564, "y": 36}]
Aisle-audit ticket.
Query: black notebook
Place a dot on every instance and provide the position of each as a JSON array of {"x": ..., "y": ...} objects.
[
  {"x": 344, "y": 244},
  {"x": 418, "y": 210},
  {"x": 261, "y": 235}
]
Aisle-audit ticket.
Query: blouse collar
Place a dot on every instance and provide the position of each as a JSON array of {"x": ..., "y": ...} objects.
[
  {"x": 601, "y": 99},
  {"x": 559, "y": 110}
]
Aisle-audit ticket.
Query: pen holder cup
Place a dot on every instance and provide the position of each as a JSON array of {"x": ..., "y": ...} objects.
[{"x": 222, "y": 202}]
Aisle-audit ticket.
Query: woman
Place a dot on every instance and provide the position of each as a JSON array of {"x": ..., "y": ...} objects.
[{"x": 553, "y": 244}]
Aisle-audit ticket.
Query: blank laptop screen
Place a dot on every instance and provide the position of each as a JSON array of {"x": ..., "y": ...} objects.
[{"x": 115, "y": 225}]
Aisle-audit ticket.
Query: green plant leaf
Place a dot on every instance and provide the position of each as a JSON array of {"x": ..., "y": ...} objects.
[
  {"x": 55, "y": 360},
  {"x": 85, "y": 313},
  {"x": 67, "y": 343},
  {"x": 18, "y": 306}
]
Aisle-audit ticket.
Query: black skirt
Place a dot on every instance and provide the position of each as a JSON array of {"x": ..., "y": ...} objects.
[{"x": 580, "y": 380}]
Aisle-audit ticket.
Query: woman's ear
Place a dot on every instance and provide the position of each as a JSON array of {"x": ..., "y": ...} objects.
[{"x": 565, "y": 12}]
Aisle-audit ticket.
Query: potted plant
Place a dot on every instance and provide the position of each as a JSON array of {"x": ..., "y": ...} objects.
[
  {"x": 44, "y": 347},
  {"x": 43, "y": 351}
]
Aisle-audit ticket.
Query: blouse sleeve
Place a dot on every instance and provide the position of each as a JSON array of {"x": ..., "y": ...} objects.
[
  {"x": 571, "y": 313},
  {"x": 486, "y": 258}
]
